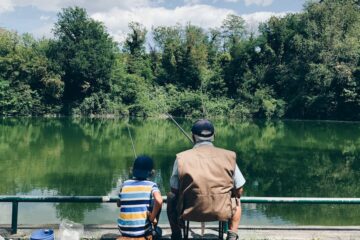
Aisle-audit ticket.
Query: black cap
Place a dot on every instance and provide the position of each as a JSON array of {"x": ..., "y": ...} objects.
[
  {"x": 203, "y": 128},
  {"x": 143, "y": 165}
]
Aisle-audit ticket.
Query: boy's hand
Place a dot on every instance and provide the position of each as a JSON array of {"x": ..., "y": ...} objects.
[
  {"x": 151, "y": 218},
  {"x": 118, "y": 203}
]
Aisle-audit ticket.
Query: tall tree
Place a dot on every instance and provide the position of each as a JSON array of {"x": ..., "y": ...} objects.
[
  {"x": 85, "y": 52},
  {"x": 168, "y": 41},
  {"x": 194, "y": 58},
  {"x": 233, "y": 30},
  {"x": 138, "y": 61}
]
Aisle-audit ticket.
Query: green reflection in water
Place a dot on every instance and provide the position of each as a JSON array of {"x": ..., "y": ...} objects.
[{"x": 89, "y": 156}]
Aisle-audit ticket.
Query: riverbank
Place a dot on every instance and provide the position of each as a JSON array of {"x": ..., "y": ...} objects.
[{"x": 110, "y": 232}]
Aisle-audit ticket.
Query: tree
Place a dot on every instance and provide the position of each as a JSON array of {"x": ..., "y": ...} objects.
[
  {"x": 85, "y": 52},
  {"x": 233, "y": 30},
  {"x": 194, "y": 58},
  {"x": 29, "y": 83},
  {"x": 135, "y": 41},
  {"x": 168, "y": 41},
  {"x": 138, "y": 62}
]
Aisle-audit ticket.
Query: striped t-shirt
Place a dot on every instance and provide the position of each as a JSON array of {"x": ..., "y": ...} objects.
[{"x": 136, "y": 200}]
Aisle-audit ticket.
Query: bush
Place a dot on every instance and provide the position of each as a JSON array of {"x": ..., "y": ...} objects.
[{"x": 99, "y": 104}]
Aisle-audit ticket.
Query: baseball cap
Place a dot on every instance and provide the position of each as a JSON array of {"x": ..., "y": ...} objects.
[
  {"x": 203, "y": 128},
  {"x": 142, "y": 167}
]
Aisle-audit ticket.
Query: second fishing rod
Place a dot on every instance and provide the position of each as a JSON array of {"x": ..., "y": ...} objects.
[{"x": 172, "y": 119}]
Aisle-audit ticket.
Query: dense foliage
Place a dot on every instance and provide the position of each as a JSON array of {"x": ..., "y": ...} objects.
[{"x": 304, "y": 65}]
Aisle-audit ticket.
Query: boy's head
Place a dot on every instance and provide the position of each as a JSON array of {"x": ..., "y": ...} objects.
[{"x": 143, "y": 167}]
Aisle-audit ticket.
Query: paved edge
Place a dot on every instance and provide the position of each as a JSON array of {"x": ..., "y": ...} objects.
[{"x": 110, "y": 232}]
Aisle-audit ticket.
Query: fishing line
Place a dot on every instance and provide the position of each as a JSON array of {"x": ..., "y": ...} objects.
[
  {"x": 175, "y": 122},
  {"x": 202, "y": 99},
  {"x": 132, "y": 141}
]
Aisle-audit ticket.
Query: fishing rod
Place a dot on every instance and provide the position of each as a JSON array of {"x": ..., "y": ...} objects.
[
  {"x": 177, "y": 124},
  {"x": 174, "y": 121},
  {"x": 181, "y": 129},
  {"x": 132, "y": 141}
]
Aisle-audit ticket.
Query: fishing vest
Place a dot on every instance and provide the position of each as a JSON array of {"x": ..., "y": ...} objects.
[{"x": 205, "y": 184}]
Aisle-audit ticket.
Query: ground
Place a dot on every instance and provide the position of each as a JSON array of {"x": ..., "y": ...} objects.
[{"x": 245, "y": 232}]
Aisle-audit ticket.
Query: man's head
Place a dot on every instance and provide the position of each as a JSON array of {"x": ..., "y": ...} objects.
[
  {"x": 203, "y": 130},
  {"x": 143, "y": 167}
]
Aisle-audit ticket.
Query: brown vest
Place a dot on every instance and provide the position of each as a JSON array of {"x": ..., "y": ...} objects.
[{"x": 206, "y": 181}]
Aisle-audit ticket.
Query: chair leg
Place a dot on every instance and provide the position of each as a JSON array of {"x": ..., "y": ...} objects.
[
  {"x": 221, "y": 230},
  {"x": 186, "y": 230}
]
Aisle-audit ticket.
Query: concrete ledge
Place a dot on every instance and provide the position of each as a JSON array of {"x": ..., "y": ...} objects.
[{"x": 110, "y": 232}]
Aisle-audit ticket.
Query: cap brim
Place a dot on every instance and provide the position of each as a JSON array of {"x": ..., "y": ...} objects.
[{"x": 200, "y": 138}]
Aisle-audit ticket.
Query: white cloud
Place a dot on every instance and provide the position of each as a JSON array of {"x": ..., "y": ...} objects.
[
  {"x": 116, "y": 14},
  {"x": 259, "y": 2},
  {"x": 116, "y": 20},
  {"x": 263, "y": 3},
  {"x": 44, "y": 18},
  {"x": 192, "y": 2},
  {"x": 44, "y": 31},
  {"x": 90, "y": 5},
  {"x": 6, "y": 5},
  {"x": 254, "y": 19},
  {"x": 205, "y": 16}
]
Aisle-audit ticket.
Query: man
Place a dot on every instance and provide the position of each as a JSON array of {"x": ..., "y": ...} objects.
[{"x": 206, "y": 184}]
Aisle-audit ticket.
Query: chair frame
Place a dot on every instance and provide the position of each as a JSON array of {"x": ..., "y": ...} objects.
[{"x": 187, "y": 228}]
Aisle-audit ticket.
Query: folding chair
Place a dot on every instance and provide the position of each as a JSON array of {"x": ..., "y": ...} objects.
[{"x": 221, "y": 229}]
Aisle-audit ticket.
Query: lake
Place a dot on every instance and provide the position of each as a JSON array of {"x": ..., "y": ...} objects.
[{"x": 69, "y": 156}]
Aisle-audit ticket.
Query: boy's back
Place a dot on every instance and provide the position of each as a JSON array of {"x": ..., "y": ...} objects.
[{"x": 136, "y": 201}]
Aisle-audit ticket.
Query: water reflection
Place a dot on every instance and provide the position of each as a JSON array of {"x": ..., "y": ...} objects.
[{"x": 92, "y": 156}]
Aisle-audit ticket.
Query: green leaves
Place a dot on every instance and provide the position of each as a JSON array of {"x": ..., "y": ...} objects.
[
  {"x": 302, "y": 65},
  {"x": 85, "y": 52}
]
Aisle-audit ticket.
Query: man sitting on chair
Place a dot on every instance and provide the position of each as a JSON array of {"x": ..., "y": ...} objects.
[{"x": 206, "y": 184}]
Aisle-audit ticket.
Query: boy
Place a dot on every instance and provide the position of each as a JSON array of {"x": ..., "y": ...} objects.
[{"x": 140, "y": 201}]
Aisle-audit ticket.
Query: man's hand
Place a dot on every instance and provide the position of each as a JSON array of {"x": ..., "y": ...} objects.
[
  {"x": 238, "y": 192},
  {"x": 175, "y": 191}
]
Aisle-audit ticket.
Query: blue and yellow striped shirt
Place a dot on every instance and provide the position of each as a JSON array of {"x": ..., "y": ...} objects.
[{"x": 136, "y": 200}]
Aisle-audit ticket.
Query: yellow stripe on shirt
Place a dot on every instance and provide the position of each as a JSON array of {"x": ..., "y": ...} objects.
[
  {"x": 133, "y": 216},
  {"x": 129, "y": 189}
]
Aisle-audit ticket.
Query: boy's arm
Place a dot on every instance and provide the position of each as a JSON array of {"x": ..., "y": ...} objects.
[{"x": 157, "y": 206}]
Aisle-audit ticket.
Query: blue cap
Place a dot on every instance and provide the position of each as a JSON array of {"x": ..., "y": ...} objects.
[
  {"x": 42, "y": 234},
  {"x": 143, "y": 165},
  {"x": 203, "y": 128}
]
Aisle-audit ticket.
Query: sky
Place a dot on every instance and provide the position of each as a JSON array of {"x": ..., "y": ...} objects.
[{"x": 38, "y": 16}]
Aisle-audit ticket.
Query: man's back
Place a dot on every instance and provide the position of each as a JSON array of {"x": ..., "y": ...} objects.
[
  {"x": 206, "y": 180},
  {"x": 206, "y": 184}
]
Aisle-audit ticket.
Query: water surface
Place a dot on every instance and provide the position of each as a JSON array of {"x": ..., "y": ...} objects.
[{"x": 92, "y": 156}]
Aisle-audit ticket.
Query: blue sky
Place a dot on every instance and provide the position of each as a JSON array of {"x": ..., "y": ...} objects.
[{"x": 38, "y": 16}]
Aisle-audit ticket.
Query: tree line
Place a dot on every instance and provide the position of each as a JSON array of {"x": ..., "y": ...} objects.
[{"x": 304, "y": 65}]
